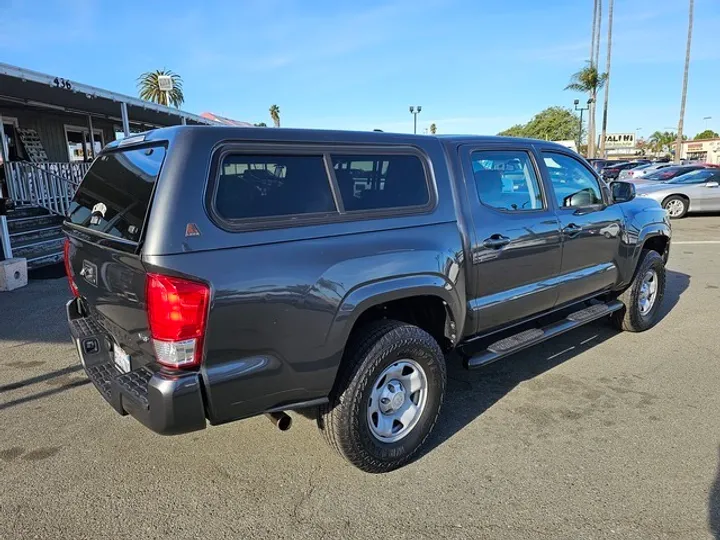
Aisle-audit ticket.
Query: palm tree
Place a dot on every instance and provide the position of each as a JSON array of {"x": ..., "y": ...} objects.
[
  {"x": 275, "y": 115},
  {"x": 150, "y": 88},
  {"x": 678, "y": 143},
  {"x": 433, "y": 128},
  {"x": 661, "y": 141},
  {"x": 590, "y": 81},
  {"x": 607, "y": 80}
]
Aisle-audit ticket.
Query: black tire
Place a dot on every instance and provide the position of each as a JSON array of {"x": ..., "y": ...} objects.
[
  {"x": 631, "y": 318},
  {"x": 676, "y": 200},
  {"x": 344, "y": 421}
]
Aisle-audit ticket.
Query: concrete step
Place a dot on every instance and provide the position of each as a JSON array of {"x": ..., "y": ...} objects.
[
  {"x": 48, "y": 259},
  {"x": 26, "y": 211},
  {"x": 34, "y": 235},
  {"x": 39, "y": 249},
  {"x": 24, "y": 224}
]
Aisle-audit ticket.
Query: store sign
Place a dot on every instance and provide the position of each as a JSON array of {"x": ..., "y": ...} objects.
[
  {"x": 165, "y": 83},
  {"x": 694, "y": 147},
  {"x": 620, "y": 140}
]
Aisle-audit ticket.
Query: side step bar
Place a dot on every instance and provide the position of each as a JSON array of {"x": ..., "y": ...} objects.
[{"x": 528, "y": 338}]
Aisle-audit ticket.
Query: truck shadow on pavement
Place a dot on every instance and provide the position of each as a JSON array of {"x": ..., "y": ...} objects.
[{"x": 470, "y": 393}]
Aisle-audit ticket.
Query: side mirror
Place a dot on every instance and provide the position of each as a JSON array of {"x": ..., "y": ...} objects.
[
  {"x": 622, "y": 191},
  {"x": 713, "y": 183}
]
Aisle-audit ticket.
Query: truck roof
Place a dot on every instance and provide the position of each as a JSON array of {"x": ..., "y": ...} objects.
[{"x": 320, "y": 135}]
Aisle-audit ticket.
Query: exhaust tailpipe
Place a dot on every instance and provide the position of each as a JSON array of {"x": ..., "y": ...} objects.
[{"x": 281, "y": 420}]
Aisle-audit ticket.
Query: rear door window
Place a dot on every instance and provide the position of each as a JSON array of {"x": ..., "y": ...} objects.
[
  {"x": 374, "y": 182},
  {"x": 506, "y": 180},
  {"x": 115, "y": 194},
  {"x": 258, "y": 186}
]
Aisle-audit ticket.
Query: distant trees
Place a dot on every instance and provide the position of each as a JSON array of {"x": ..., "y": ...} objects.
[
  {"x": 149, "y": 88},
  {"x": 662, "y": 141},
  {"x": 553, "y": 124},
  {"x": 260, "y": 124},
  {"x": 707, "y": 134},
  {"x": 433, "y": 128}
]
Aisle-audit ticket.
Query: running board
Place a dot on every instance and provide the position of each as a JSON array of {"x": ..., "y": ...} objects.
[{"x": 528, "y": 338}]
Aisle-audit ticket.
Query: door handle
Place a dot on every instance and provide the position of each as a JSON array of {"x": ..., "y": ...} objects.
[
  {"x": 496, "y": 241},
  {"x": 572, "y": 230}
]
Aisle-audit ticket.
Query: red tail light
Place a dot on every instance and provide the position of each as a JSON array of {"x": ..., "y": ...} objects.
[
  {"x": 177, "y": 312},
  {"x": 68, "y": 268}
]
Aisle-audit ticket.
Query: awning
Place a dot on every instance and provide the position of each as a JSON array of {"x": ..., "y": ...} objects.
[{"x": 34, "y": 89}]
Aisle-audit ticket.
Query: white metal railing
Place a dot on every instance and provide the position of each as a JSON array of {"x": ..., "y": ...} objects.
[{"x": 46, "y": 184}]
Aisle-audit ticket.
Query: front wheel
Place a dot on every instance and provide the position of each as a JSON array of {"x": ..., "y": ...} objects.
[
  {"x": 387, "y": 398},
  {"x": 676, "y": 206},
  {"x": 643, "y": 299}
]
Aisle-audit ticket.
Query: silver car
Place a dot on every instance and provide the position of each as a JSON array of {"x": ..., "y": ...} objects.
[
  {"x": 697, "y": 190},
  {"x": 638, "y": 172}
]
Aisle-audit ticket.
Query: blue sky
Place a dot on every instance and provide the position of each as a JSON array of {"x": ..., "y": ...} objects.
[{"x": 476, "y": 66}]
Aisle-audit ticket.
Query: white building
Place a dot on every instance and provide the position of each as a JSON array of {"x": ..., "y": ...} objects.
[{"x": 705, "y": 151}]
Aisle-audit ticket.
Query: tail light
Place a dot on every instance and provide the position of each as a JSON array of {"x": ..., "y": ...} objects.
[
  {"x": 68, "y": 269},
  {"x": 177, "y": 312}
]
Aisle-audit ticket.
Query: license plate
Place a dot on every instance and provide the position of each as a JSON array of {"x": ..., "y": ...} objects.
[{"x": 122, "y": 359}]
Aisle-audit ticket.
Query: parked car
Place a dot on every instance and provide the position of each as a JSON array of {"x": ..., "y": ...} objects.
[
  {"x": 599, "y": 164},
  {"x": 221, "y": 273},
  {"x": 641, "y": 170},
  {"x": 697, "y": 190},
  {"x": 666, "y": 173},
  {"x": 612, "y": 171}
]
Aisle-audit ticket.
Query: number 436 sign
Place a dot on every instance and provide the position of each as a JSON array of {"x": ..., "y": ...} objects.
[{"x": 62, "y": 83}]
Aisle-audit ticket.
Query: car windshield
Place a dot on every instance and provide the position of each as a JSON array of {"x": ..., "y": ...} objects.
[{"x": 694, "y": 177}]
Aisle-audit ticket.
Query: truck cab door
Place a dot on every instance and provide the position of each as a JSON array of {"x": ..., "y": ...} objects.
[
  {"x": 591, "y": 226},
  {"x": 515, "y": 235}
]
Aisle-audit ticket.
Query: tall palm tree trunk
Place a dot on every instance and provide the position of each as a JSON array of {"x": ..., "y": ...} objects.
[
  {"x": 591, "y": 105},
  {"x": 607, "y": 80},
  {"x": 594, "y": 32},
  {"x": 597, "y": 33},
  {"x": 678, "y": 143}
]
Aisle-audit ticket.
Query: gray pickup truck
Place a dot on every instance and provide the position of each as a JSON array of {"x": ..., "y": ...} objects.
[{"x": 221, "y": 273}]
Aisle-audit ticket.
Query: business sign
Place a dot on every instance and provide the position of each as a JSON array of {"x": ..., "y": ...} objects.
[
  {"x": 165, "y": 83},
  {"x": 620, "y": 140}
]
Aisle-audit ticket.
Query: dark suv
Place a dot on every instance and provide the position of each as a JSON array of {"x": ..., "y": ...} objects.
[{"x": 221, "y": 273}]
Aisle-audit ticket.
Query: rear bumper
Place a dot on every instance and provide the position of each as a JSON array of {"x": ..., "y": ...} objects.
[{"x": 167, "y": 402}]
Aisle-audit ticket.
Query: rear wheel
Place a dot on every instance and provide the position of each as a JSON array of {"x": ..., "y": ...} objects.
[
  {"x": 387, "y": 398},
  {"x": 676, "y": 206},
  {"x": 643, "y": 299}
]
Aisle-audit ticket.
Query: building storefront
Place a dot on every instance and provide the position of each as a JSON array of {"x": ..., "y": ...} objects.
[{"x": 705, "y": 151}]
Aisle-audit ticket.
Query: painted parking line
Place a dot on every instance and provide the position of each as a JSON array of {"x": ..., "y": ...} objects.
[{"x": 686, "y": 242}]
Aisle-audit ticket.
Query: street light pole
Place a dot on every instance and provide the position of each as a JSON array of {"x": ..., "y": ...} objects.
[
  {"x": 415, "y": 110},
  {"x": 581, "y": 109},
  {"x": 706, "y": 118}
]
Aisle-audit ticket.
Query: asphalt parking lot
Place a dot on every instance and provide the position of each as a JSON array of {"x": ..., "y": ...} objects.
[{"x": 597, "y": 434}]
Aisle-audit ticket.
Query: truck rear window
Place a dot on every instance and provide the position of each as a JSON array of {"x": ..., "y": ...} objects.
[{"x": 115, "y": 194}]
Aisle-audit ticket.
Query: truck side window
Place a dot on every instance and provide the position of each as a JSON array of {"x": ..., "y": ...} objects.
[
  {"x": 506, "y": 180},
  {"x": 373, "y": 182},
  {"x": 573, "y": 183},
  {"x": 262, "y": 186}
]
